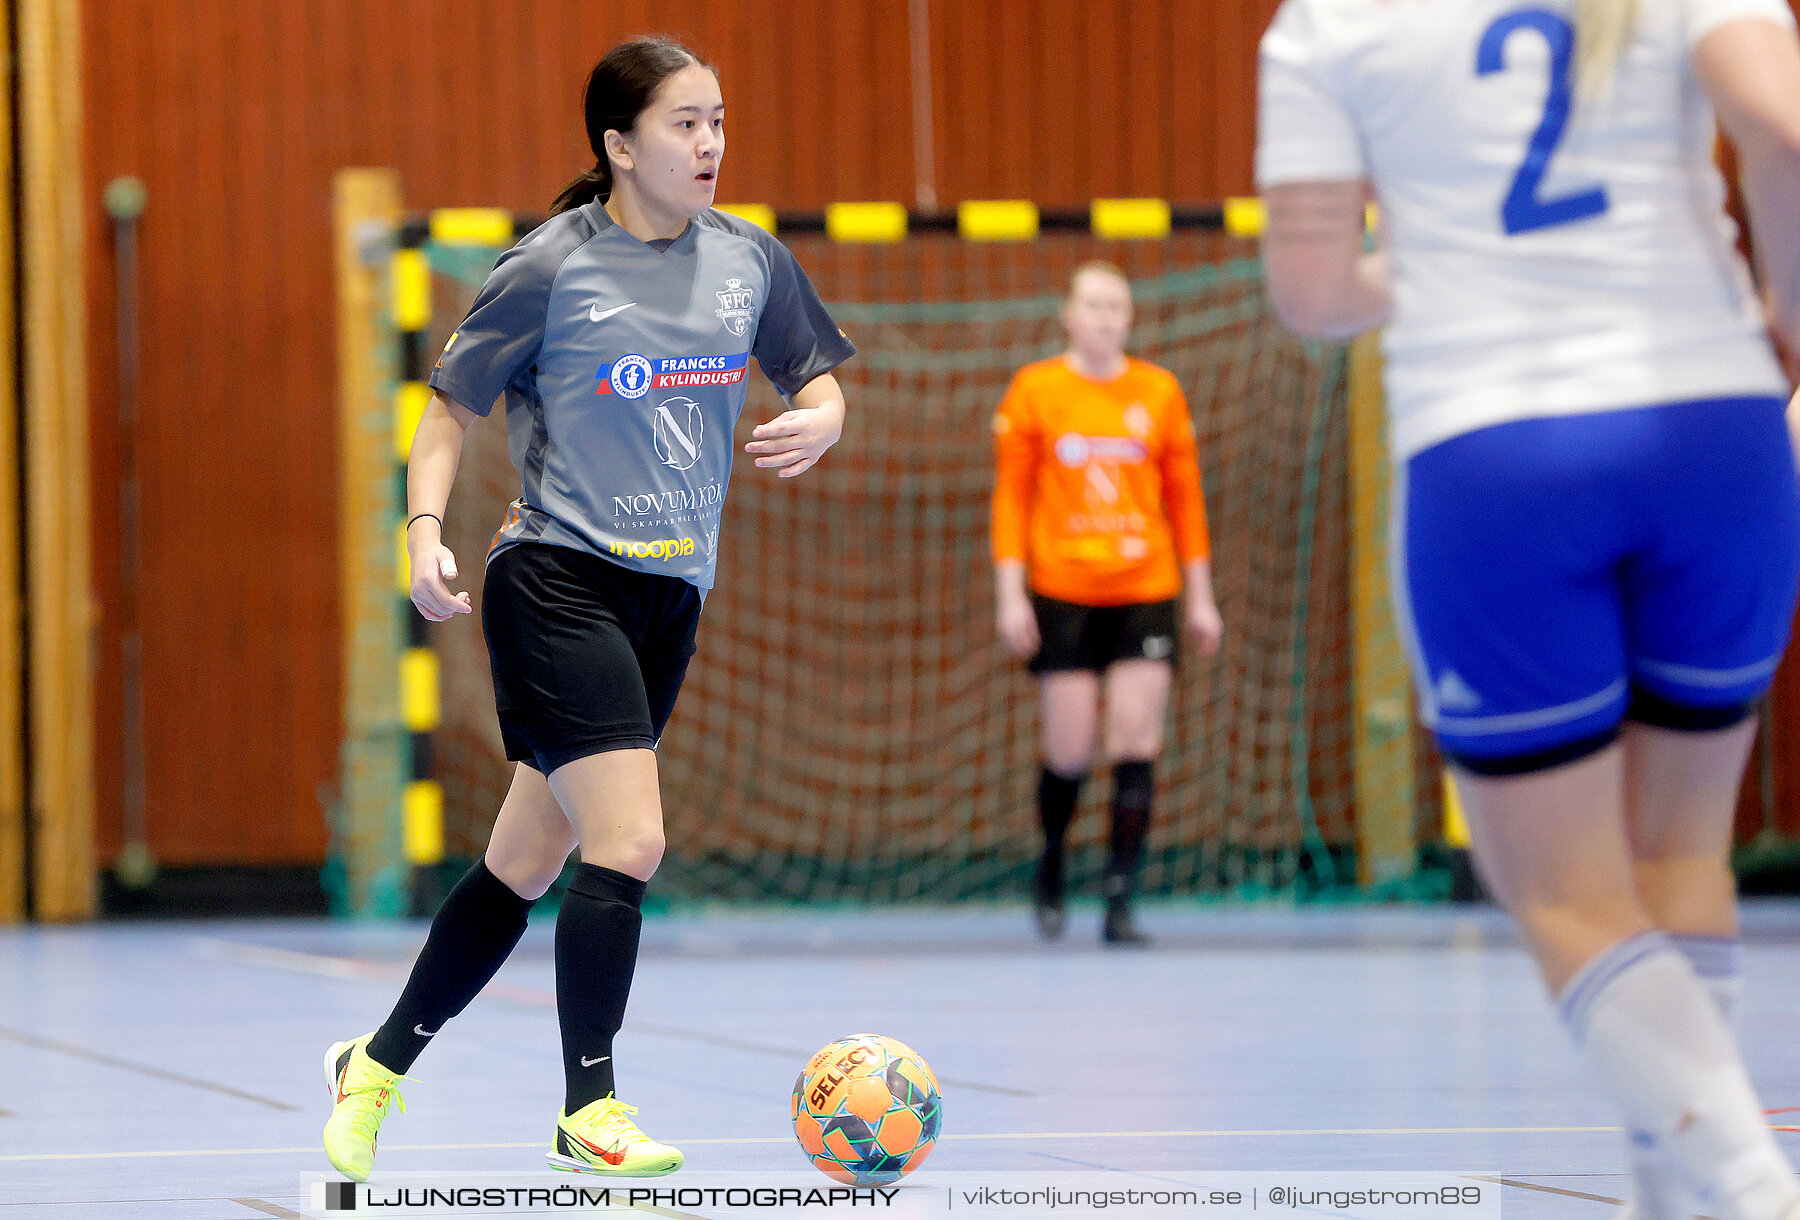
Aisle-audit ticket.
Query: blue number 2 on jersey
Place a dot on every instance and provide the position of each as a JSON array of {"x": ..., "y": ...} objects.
[{"x": 1523, "y": 210}]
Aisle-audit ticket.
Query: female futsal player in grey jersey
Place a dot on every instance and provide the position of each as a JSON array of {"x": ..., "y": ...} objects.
[{"x": 620, "y": 334}]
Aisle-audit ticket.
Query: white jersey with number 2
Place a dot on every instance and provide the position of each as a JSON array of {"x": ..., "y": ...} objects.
[{"x": 1552, "y": 255}]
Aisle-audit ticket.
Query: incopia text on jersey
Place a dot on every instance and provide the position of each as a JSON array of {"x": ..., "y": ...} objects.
[{"x": 660, "y": 548}]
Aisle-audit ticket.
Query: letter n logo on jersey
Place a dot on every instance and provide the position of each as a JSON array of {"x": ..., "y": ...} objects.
[
  {"x": 679, "y": 432},
  {"x": 734, "y": 306}
]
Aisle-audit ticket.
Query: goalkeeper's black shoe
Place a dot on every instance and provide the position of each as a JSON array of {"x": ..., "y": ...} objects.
[
  {"x": 1047, "y": 899},
  {"x": 1120, "y": 929}
]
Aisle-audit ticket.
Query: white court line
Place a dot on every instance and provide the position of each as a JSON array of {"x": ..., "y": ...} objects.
[
  {"x": 357, "y": 968},
  {"x": 763, "y": 1139},
  {"x": 292, "y": 959},
  {"x": 326, "y": 966}
]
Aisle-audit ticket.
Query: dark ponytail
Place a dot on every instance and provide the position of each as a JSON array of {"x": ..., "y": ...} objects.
[
  {"x": 589, "y": 185},
  {"x": 618, "y": 90}
]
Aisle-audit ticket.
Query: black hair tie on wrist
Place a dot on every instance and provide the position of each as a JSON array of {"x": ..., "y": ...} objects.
[{"x": 416, "y": 516}]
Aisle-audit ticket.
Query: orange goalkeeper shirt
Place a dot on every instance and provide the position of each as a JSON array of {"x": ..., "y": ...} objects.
[{"x": 1098, "y": 486}]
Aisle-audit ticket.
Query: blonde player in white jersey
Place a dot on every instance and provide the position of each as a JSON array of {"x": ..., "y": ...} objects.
[{"x": 1596, "y": 538}]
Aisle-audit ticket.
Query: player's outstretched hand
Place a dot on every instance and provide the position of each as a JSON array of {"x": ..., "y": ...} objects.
[
  {"x": 794, "y": 441},
  {"x": 1018, "y": 627},
  {"x": 1205, "y": 625},
  {"x": 432, "y": 567}
]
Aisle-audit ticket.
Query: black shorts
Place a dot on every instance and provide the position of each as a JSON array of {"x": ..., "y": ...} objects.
[
  {"x": 1092, "y": 637},
  {"x": 587, "y": 656}
]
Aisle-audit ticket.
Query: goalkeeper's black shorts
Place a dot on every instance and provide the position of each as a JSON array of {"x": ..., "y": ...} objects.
[{"x": 1074, "y": 636}]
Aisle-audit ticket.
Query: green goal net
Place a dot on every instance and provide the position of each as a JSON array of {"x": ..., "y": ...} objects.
[{"x": 850, "y": 729}]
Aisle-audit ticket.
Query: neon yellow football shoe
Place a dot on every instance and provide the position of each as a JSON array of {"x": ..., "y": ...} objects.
[
  {"x": 360, "y": 1092},
  {"x": 601, "y": 1138}
]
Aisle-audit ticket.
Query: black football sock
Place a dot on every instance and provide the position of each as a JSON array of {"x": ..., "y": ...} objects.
[
  {"x": 1057, "y": 796},
  {"x": 1134, "y": 784},
  {"x": 471, "y": 935},
  {"x": 596, "y": 954}
]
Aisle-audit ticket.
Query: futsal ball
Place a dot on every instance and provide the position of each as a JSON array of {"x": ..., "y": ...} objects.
[{"x": 867, "y": 1110}]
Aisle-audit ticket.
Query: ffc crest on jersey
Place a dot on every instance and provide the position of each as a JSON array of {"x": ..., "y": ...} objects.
[{"x": 735, "y": 306}]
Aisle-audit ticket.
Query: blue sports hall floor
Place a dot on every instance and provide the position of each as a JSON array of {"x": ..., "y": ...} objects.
[{"x": 173, "y": 1069}]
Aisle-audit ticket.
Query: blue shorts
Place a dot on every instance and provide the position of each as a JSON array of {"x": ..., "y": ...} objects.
[{"x": 1554, "y": 576}]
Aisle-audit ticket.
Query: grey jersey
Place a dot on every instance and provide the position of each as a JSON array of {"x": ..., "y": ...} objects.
[{"x": 623, "y": 369}]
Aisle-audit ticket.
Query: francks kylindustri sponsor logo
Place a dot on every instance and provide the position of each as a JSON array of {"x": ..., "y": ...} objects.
[
  {"x": 1073, "y": 449},
  {"x": 634, "y": 376}
]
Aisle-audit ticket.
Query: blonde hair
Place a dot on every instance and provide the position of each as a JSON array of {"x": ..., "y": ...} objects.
[
  {"x": 1101, "y": 266},
  {"x": 1603, "y": 29}
]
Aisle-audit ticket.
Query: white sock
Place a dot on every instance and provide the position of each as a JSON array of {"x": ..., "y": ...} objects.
[
  {"x": 1653, "y": 1037},
  {"x": 1718, "y": 962},
  {"x": 1656, "y": 1193}
]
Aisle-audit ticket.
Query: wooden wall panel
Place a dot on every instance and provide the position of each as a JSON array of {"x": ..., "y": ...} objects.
[
  {"x": 56, "y": 469},
  {"x": 13, "y": 795},
  {"x": 1064, "y": 100}
]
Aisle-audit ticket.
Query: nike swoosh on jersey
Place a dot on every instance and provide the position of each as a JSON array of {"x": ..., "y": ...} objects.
[
  {"x": 588, "y": 1063},
  {"x": 597, "y": 314}
]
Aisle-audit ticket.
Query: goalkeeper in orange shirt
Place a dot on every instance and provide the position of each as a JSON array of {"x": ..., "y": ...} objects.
[{"x": 1098, "y": 526}]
